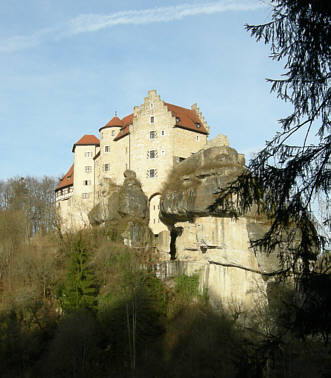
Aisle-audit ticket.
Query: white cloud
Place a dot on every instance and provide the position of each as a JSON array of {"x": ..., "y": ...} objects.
[{"x": 87, "y": 23}]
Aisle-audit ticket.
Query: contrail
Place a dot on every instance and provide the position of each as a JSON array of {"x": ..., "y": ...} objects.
[{"x": 87, "y": 23}]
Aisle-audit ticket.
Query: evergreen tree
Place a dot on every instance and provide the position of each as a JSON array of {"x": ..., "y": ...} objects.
[
  {"x": 293, "y": 169},
  {"x": 289, "y": 173},
  {"x": 80, "y": 286}
]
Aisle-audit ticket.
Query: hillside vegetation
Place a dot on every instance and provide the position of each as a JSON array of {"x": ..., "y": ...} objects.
[{"x": 84, "y": 305}]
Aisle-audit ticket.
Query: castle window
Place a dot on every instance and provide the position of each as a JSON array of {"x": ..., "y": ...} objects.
[
  {"x": 152, "y": 134},
  {"x": 85, "y": 195},
  {"x": 106, "y": 167},
  {"x": 162, "y": 132},
  {"x": 107, "y": 149},
  {"x": 87, "y": 182},
  {"x": 197, "y": 137},
  {"x": 88, "y": 169},
  {"x": 88, "y": 154},
  {"x": 113, "y": 132},
  {"x": 152, "y": 119},
  {"x": 151, "y": 173},
  {"x": 153, "y": 154},
  {"x": 163, "y": 153}
]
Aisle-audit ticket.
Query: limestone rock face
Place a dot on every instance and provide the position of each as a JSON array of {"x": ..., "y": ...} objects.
[
  {"x": 132, "y": 200},
  {"x": 194, "y": 184},
  {"x": 124, "y": 209},
  {"x": 212, "y": 242}
]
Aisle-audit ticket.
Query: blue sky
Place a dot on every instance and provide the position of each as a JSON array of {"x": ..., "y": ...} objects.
[{"x": 66, "y": 67}]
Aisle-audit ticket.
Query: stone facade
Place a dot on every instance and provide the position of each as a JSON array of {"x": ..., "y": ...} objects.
[{"x": 150, "y": 141}]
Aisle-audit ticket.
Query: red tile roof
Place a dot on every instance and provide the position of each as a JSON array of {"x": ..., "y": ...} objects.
[
  {"x": 114, "y": 122},
  {"x": 127, "y": 121},
  {"x": 67, "y": 180},
  {"x": 186, "y": 118},
  {"x": 87, "y": 140}
]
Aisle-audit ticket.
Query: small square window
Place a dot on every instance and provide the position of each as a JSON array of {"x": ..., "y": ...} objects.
[
  {"x": 85, "y": 195},
  {"x": 106, "y": 167},
  {"x": 107, "y": 149},
  {"x": 88, "y": 169},
  {"x": 152, "y": 119},
  {"x": 152, "y": 134},
  {"x": 152, "y": 154},
  {"x": 151, "y": 173},
  {"x": 88, "y": 154}
]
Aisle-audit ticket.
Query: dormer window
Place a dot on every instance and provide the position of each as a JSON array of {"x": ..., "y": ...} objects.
[
  {"x": 197, "y": 125},
  {"x": 68, "y": 178},
  {"x": 177, "y": 119}
]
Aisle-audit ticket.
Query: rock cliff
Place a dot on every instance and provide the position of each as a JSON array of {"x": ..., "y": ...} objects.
[
  {"x": 213, "y": 242},
  {"x": 124, "y": 210}
]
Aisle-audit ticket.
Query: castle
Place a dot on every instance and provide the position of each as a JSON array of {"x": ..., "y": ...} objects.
[{"x": 150, "y": 141}]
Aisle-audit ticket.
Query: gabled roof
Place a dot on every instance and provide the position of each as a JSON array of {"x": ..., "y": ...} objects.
[
  {"x": 186, "y": 118},
  {"x": 127, "y": 121},
  {"x": 87, "y": 140},
  {"x": 67, "y": 180},
  {"x": 114, "y": 122}
]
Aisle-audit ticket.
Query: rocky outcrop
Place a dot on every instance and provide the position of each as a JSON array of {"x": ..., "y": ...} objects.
[
  {"x": 193, "y": 186},
  {"x": 124, "y": 210},
  {"x": 209, "y": 241}
]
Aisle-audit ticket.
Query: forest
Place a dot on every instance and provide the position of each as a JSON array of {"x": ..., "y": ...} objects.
[{"x": 84, "y": 305}]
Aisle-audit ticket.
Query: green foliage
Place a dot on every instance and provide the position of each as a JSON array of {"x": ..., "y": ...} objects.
[
  {"x": 79, "y": 289},
  {"x": 187, "y": 286}
]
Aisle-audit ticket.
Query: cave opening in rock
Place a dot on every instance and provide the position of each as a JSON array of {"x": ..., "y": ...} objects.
[{"x": 174, "y": 232}]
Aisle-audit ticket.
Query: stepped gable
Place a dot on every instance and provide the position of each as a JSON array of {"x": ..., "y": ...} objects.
[
  {"x": 127, "y": 121},
  {"x": 87, "y": 140},
  {"x": 187, "y": 119},
  {"x": 67, "y": 180},
  {"x": 114, "y": 122}
]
